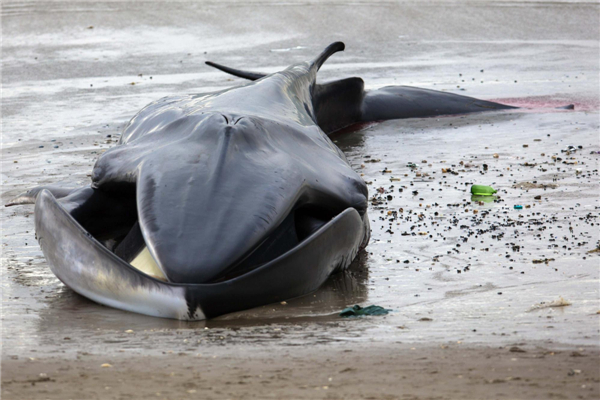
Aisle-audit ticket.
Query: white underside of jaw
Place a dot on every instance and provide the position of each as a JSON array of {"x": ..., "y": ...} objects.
[{"x": 90, "y": 269}]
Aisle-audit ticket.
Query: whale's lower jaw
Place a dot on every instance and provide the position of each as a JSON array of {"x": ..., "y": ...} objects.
[{"x": 90, "y": 269}]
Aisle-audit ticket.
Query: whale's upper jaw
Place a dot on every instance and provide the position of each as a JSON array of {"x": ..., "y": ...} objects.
[{"x": 219, "y": 195}]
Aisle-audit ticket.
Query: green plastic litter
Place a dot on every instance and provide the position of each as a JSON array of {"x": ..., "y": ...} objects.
[
  {"x": 481, "y": 190},
  {"x": 518, "y": 207},
  {"x": 357, "y": 311},
  {"x": 485, "y": 199},
  {"x": 411, "y": 165}
]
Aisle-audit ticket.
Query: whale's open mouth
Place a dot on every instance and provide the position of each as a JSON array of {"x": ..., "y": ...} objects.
[
  {"x": 297, "y": 226},
  {"x": 80, "y": 233},
  {"x": 112, "y": 219}
]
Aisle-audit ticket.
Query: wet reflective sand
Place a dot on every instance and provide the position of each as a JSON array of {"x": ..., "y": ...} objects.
[{"x": 453, "y": 269}]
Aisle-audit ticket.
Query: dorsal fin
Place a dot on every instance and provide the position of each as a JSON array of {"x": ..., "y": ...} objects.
[
  {"x": 338, "y": 104},
  {"x": 237, "y": 72},
  {"x": 321, "y": 58}
]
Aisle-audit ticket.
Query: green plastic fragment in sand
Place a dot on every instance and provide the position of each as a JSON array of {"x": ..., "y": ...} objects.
[
  {"x": 484, "y": 199},
  {"x": 357, "y": 311},
  {"x": 481, "y": 190}
]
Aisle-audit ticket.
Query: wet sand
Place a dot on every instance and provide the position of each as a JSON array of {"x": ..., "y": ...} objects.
[
  {"x": 379, "y": 371},
  {"x": 467, "y": 280}
]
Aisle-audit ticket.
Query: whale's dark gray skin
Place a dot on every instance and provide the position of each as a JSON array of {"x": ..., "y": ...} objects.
[
  {"x": 238, "y": 197},
  {"x": 343, "y": 103}
]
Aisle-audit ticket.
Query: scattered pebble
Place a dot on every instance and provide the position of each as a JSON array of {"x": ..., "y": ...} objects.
[{"x": 542, "y": 260}]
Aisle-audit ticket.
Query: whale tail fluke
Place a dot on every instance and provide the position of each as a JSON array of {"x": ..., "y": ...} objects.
[
  {"x": 328, "y": 52},
  {"x": 315, "y": 65},
  {"x": 253, "y": 76}
]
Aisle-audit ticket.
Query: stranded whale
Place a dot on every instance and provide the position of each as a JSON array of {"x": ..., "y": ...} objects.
[{"x": 218, "y": 202}]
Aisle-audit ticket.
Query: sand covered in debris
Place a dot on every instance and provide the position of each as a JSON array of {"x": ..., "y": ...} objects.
[{"x": 467, "y": 279}]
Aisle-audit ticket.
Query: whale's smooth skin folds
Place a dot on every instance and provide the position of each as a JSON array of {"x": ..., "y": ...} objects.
[{"x": 219, "y": 202}]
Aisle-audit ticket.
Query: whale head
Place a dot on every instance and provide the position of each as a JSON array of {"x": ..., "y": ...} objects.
[{"x": 219, "y": 194}]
